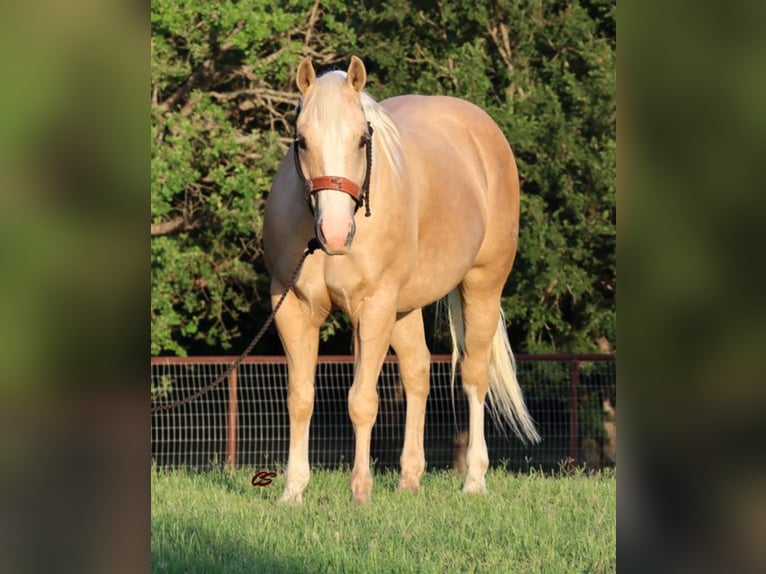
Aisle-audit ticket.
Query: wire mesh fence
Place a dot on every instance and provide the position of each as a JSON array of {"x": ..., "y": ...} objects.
[{"x": 572, "y": 398}]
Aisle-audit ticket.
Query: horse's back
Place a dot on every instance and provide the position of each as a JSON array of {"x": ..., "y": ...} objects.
[
  {"x": 462, "y": 143},
  {"x": 439, "y": 108},
  {"x": 466, "y": 177}
]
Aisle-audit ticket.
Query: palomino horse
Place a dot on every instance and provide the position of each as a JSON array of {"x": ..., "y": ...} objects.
[{"x": 440, "y": 184}]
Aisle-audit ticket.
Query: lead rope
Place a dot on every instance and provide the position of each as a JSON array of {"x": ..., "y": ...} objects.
[{"x": 312, "y": 246}]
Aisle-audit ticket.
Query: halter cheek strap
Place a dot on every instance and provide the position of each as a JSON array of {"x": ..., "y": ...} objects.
[{"x": 360, "y": 195}]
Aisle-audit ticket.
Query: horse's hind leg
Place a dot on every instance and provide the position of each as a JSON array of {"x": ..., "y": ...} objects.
[
  {"x": 481, "y": 307},
  {"x": 408, "y": 341},
  {"x": 299, "y": 332}
]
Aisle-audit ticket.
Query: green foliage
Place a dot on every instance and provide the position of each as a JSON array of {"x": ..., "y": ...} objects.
[{"x": 222, "y": 110}]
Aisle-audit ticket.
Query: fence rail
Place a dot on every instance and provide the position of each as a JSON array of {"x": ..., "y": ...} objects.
[{"x": 245, "y": 423}]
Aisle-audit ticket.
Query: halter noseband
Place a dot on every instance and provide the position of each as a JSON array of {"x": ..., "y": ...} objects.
[{"x": 360, "y": 195}]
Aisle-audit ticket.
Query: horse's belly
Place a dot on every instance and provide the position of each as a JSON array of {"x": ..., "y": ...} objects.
[
  {"x": 416, "y": 296},
  {"x": 431, "y": 282},
  {"x": 447, "y": 251}
]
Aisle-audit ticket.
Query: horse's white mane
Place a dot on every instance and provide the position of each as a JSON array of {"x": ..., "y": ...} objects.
[{"x": 386, "y": 132}]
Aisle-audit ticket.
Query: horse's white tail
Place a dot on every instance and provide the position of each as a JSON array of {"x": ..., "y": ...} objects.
[{"x": 505, "y": 398}]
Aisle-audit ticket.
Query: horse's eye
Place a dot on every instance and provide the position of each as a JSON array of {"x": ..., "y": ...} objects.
[{"x": 301, "y": 142}]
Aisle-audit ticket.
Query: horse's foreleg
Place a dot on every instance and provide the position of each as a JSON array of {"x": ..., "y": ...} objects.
[
  {"x": 372, "y": 338},
  {"x": 299, "y": 332},
  {"x": 408, "y": 340}
]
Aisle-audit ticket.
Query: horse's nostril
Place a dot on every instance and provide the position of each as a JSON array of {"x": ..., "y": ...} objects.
[
  {"x": 318, "y": 231},
  {"x": 351, "y": 233}
]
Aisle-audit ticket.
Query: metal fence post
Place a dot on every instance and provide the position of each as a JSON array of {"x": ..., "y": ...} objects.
[
  {"x": 574, "y": 383},
  {"x": 231, "y": 423}
]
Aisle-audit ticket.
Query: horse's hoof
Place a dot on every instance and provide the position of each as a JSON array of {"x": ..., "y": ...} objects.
[
  {"x": 474, "y": 486},
  {"x": 361, "y": 498},
  {"x": 291, "y": 498},
  {"x": 408, "y": 485}
]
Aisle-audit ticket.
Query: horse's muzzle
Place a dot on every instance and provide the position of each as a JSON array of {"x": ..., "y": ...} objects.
[{"x": 335, "y": 238}]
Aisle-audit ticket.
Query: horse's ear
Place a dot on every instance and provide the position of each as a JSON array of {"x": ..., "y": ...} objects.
[
  {"x": 306, "y": 75},
  {"x": 356, "y": 75}
]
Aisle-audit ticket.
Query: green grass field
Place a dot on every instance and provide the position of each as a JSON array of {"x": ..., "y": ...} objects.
[{"x": 218, "y": 522}]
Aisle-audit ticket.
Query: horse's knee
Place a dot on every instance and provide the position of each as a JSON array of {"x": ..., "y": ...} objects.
[
  {"x": 300, "y": 400},
  {"x": 416, "y": 380},
  {"x": 362, "y": 406}
]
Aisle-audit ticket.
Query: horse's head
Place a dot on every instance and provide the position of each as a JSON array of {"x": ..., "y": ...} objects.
[{"x": 333, "y": 153}]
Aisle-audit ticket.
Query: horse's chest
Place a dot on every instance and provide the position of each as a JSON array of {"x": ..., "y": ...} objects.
[
  {"x": 345, "y": 285},
  {"x": 341, "y": 297},
  {"x": 350, "y": 282}
]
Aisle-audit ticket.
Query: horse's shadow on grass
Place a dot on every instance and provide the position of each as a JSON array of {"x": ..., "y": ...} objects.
[{"x": 230, "y": 558}]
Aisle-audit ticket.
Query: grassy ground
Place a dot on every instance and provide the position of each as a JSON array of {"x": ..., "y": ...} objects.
[{"x": 218, "y": 522}]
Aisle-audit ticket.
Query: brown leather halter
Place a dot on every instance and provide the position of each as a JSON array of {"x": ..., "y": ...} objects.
[
  {"x": 333, "y": 182},
  {"x": 360, "y": 195}
]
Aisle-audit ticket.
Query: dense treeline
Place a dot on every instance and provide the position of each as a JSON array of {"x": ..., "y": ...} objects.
[{"x": 223, "y": 100}]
